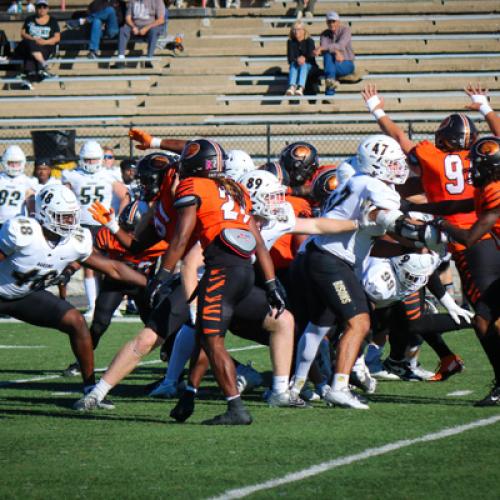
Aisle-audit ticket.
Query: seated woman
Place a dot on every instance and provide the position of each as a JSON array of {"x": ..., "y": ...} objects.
[
  {"x": 300, "y": 53},
  {"x": 40, "y": 34}
]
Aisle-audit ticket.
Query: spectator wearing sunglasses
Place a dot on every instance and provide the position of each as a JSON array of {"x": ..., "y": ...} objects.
[
  {"x": 109, "y": 163},
  {"x": 40, "y": 34}
]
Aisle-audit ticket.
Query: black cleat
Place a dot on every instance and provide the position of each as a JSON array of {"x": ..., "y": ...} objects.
[
  {"x": 184, "y": 407},
  {"x": 402, "y": 369},
  {"x": 231, "y": 417},
  {"x": 492, "y": 399}
]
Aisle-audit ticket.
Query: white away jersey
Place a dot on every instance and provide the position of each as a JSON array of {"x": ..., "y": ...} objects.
[
  {"x": 32, "y": 263},
  {"x": 346, "y": 204},
  {"x": 13, "y": 195},
  {"x": 381, "y": 284},
  {"x": 89, "y": 188},
  {"x": 275, "y": 229}
]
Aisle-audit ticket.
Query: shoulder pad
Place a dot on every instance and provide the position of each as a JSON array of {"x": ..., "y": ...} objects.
[
  {"x": 186, "y": 201},
  {"x": 82, "y": 241},
  {"x": 18, "y": 233}
]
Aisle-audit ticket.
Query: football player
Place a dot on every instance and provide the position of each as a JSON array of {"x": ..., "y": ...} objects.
[
  {"x": 482, "y": 276},
  {"x": 91, "y": 182},
  {"x": 330, "y": 261},
  {"x": 42, "y": 174},
  {"x": 15, "y": 186},
  {"x": 38, "y": 252},
  {"x": 217, "y": 207}
]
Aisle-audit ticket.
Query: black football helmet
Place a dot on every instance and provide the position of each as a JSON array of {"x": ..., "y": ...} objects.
[
  {"x": 275, "y": 168},
  {"x": 324, "y": 182},
  {"x": 455, "y": 133},
  {"x": 150, "y": 172},
  {"x": 202, "y": 158},
  {"x": 131, "y": 215},
  {"x": 485, "y": 160},
  {"x": 300, "y": 160}
]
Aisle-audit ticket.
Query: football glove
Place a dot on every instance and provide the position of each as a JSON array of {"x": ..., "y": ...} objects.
[
  {"x": 143, "y": 138},
  {"x": 274, "y": 297},
  {"x": 159, "y": 287},
  {"x": 454, "y": 310},
  {"x": 365, "y": 221},
  {"x": 104, "y": 216},
  {"x": 64, "y": 277}
]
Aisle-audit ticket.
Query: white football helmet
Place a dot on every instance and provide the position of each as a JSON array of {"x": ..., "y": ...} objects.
[
  {"x": 91, "y": 150},
  {"x": 13, "y": 161},
  {"x": 57, "y": 209},
  {"x": 237, "y": 164},
  {"x": 414, "y": 269},
  {"x": 381, "y": 156},
  {"x": 266, "y": 193}
]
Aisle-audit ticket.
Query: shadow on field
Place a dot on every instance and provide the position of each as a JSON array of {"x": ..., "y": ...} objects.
[
  {"x": 74, "y": 415},
  {"x": 417, "y": 400}
]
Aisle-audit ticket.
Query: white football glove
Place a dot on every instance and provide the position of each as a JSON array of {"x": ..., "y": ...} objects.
[
  {"x": 454, "y": 310},
  {"x": 365, "y": 221}
]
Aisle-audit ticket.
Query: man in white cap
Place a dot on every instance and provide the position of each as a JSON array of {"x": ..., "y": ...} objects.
[{"x": 336, "y": 49}]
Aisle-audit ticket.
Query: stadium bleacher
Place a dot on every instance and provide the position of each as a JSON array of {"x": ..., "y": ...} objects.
[{"x": 230, "y": 80}]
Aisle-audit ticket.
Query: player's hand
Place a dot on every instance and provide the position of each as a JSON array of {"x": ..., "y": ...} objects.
[
  {"x": 159, "y": 287},
  {"x": 64, "y": 278},
  {"x": 274, "y": 297},
  {"x": 478, "y": 95},
  {"x": 372, "y": 99},
  {"x": 143, "y": 138},
  {"x": 434, "y": 238},
  {"x": 455, "y": 311},
  {"x": 103, "y": 215},
  {"x": 367, "y": 221}
]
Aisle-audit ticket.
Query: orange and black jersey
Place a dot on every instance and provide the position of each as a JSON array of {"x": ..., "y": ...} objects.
[
  {"x": 444, "y": 178},
  {"x": 216, "y": 209},
  {"x": 108, "y": 244},
  {"x": 488, "y": 198},
  {"x": 285, "y": 248}
]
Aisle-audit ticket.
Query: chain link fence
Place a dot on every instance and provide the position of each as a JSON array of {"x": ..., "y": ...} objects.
[{"x": 263, "y": 141}]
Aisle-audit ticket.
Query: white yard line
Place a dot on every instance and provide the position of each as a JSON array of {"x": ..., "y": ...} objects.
[
  {"x": 460, "y": 393},
  {"x": 22, "y": 346},
  {"x": 8, "y": 383},
  {"x": 349, "y": 459}
]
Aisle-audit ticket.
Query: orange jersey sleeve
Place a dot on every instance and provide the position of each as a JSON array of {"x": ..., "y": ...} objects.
[
  {"x": 284, "y": 250},
  {"x": 488, "y": 198},
  {"x": 444, "y": 177},
  {"x": 109, "y": 245},
  {"x": 217, "y": 210}
]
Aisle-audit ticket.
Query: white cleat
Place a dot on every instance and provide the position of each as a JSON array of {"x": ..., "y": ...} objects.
[
  {"x": 345, "y": 399},
  {"x": 423, "y": 373},
  {"x": 384, "y": 375},
  {"x": 287, "y": 399},
  {"x": 361, "y": 377},
  {"x": 90, "y": 402}
]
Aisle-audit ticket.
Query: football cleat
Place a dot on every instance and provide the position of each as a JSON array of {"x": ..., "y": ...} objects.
[
  {"x": 184, "y": 407},
  {"x": 287, "y": 399},
  {"x": 360, "y": 376},
  {"x": 345, "y": 399},
  {"x": 72, "y": 370},
  {"x": 448, "y": 366},
  {"x": 247, "y": 378},
  {"x": 422, "y": 372},
  {"x": 165, "y": 390},
  {"x": 231, "y": 417},
  {"x": 402, "y": 369},
  {"x": 374, "y": 364},
  {"x": 492, "y": 399},
  {"x": 90, "y": 402}
]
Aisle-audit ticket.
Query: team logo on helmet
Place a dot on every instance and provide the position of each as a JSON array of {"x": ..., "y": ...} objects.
[
  {"x": 192, "y": 149},
  {"x": 301, "y": 152},
  {"x": 488, "y": 148}
]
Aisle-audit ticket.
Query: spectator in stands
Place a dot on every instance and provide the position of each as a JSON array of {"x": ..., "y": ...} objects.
[
  {"x": 30, "y": 7},
  {"x": 15, "y": 7},
  {"x": 109, "y": 163},
  {"x": 336, "y": 49},
  {"x": 144, "y": 19},
  {"x": 100, "y": 12},
  {"x": 305, "y": 8},
  {"x": 300, "y": 53},
  {"x": 40, "y": 34}
]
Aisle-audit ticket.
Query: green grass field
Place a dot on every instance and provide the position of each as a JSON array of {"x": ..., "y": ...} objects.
[{"x": 136, "y": 451}]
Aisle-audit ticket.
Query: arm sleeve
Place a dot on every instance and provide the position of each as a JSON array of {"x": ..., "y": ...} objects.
[
  {"x": 54, "y": 26},
  {"x": 290, "y": 51},
  {"x": 435, "y": 286},
  {"x": 310, "y": 49}
]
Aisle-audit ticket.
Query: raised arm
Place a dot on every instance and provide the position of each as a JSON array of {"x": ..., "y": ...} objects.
[
  {"x": 147, "y": 141},
  {"x": 375, "y": 104},
  {"x": 479, "y": 98}
]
